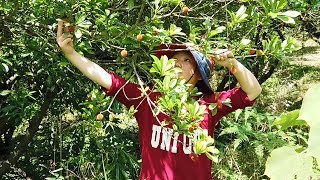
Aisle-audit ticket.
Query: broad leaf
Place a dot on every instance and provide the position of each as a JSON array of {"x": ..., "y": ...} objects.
[
  {"x": 286, "y": 163},
  {"x": 310, "y": 113},
  {"x": 80, "y": 18},
  {"x": 289, "y": 119},
  {"x": 241, "y": 11}
]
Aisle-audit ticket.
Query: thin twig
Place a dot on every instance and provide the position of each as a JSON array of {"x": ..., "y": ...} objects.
[
  {"x": 170, "y": 13},
  {"x": 108, "y": 109}
]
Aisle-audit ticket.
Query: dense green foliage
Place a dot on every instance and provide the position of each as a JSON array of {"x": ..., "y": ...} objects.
[{"x": 48, "y": 125}]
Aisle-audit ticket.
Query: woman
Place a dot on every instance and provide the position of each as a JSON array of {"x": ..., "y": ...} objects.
[{"x": 165, "y": 154}]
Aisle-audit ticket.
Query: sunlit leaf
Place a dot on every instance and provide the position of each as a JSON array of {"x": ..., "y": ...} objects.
[
  {"x": 310, "y": 113},
  {"x": 290, "y": 13},
  {"x": 289, "y": 119},
  {"x": 286, "y": 19},
  {"x": 6, "y": 68},
  {"x": 5, "y": 92},
  {"x": 286, "y": 163}
]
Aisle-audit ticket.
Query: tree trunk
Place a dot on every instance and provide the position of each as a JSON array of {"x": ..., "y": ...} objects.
[{"x": 24, "y": 140}]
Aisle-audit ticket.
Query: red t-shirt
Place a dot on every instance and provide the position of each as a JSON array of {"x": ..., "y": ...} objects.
[{"x": 164, "y": 157}]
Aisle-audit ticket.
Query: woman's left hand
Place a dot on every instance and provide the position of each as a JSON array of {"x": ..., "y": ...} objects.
[{"x": 222, "y": 57}]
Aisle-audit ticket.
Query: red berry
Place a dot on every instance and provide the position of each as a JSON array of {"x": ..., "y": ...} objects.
[
  {"x": 233, "y": 70},
  {"x": 185, "y": 10},
  {"x": 100, "y": 117},
  {"x": 252, "y": 51},
  {"x": 71, "y": 29},
  {"x": 194, "y": 157},
  {"x": 219, "y": 104}
]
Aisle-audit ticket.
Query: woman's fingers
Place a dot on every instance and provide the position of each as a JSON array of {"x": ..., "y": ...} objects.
[
  {"x": 223, "y": 54},
  {"x": 66, "y": 29},
  {"x": 62, "y": 38},
  {"x": 59, "y": 31},
  {"x": 230, "y": 54},
  {"x": 66, "y": 41}
]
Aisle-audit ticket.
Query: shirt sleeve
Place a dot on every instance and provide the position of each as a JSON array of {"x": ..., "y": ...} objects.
[
  {"x": 239, "y": 100},
  {"x": 124, "y": 91}
]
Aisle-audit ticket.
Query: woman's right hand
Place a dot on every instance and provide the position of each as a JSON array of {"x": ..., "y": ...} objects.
[{"x": 64, "y": 39}]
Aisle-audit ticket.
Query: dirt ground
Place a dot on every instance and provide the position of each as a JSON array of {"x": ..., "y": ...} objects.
[{"x": 309, "y": 55}]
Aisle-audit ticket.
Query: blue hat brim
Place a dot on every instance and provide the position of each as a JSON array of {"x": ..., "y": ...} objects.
[
  {"x": 203, "y": 67},
  {"x": 203, "y": 64}
]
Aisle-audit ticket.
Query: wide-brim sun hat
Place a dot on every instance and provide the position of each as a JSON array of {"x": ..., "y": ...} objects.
[{"x": 204, "y": 64}]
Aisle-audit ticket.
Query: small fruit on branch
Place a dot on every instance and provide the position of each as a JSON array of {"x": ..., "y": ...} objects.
[
  {"x": 185, "y": 10},
  {"x": 124, "y": 53},
  {"x": 100, "y": 117},
  {"x": 139, "y": 37}
]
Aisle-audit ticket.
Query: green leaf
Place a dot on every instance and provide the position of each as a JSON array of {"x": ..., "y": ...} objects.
[
  {"x": 290, "y": 13},
  {"x": 174, "y": 30},
  {"x": 98, "y": 124},
  {"x": 245, "y": 42},
  {"x": 212, "y": 150},
  {"x": 65, "y": 63},
  {"x": 281, "y": 4},
  {"x": 237, "y": 113},
  {"x": 286, "y": 163},
  {"x": 273, "y": 15},
  {"x": 156, "y": 3},
  {"x": 80, "y": 18},
  {"x": 173, "y": 83},
  {"x": 310, "y": 113},
  {"x": 166, "y": 83},
  {"x": 216, "y": 31},
  {"x": 84, "y": 24},
  {"x": 241, "y": 11},
  {"x": 289, "y": 119},
  {"x": 78, "y": 33},
  {"x": 165, "y": 123},
  {"x": 286, "y": 19},
  {"x": 200, "y": 147},
  {"x": 57, "y": 170},
  {"x": 213, "y": 158},
  {"x": 212, "y": 106},
  {"x": 130, "y": 4},
  {"x": 6, "y": 68},
  {"x": 5, "y": 92}
]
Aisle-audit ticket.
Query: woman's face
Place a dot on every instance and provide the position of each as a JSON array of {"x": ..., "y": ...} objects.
[{"x": 186, "y": 62}]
